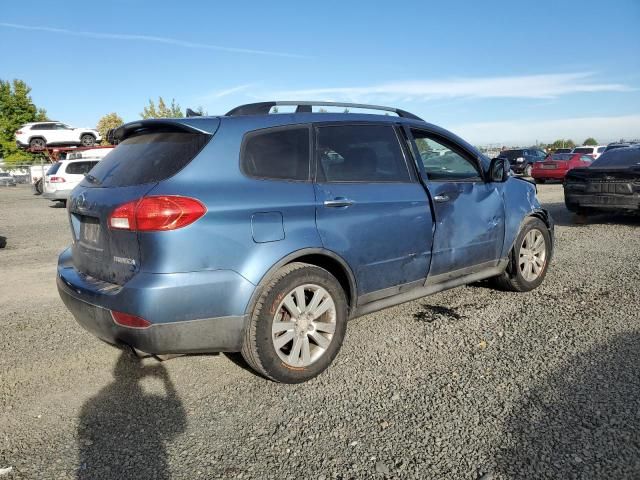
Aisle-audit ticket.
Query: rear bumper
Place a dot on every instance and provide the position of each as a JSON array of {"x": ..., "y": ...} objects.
[
  {"x": 192, "y": 312},
  {"x": 549, "y": 174},
  {"x": 57, "y": 195},
  {"x": 603, "y": 202}
]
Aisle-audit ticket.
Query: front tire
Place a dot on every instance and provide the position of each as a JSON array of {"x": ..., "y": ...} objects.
[
  {"x": 529, "y": 258},
  {"x": 87, "y": 140},
  {"x": 297, "y": 325}
]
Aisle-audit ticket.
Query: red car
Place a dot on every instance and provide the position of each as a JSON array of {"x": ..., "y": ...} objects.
[{"x": 556, "y": 166}]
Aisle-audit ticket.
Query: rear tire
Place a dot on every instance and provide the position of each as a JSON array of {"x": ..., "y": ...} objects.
[
  {"x": 87, "y": 140},
  {"x": 289, "y": 344},
  {"x": 38, "y": 187},
  {"x": 529, "y": 258},
  {"x": 37, "y": 144}
]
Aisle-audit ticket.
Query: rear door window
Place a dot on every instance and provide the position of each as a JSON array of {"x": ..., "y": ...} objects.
[
  {"x": 277, "y": 154},
  {"x": 147, "y": 158},
  {"x": 360, "y": 153},
  {"x": 79, "y": 168}
]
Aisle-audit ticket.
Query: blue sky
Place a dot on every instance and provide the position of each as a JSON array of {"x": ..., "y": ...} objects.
[{"x": 492, "y": 71}]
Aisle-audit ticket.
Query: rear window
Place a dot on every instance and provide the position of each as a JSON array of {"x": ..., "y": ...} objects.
[
  {"x": 360, "y": 153},
  {"x": 79, "y": 168},
  {"x": 620, "y": 157},
  {"x": 279, "y": 154},
  {"x": 147, "y": 158},
  {"x": 511, "y": 154},
  {"x": 588, "y": 150},
  {"x": 561, "y": 157},
  {"x": 54, "y": 168}
]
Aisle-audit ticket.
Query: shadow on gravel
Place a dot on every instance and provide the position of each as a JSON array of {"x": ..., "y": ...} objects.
[
  {"x": 431, "y": 313},
  {"x": 583, "y": 422},
  {"x": 123, "y": 430},
  {"x": 565, "y": 218}
]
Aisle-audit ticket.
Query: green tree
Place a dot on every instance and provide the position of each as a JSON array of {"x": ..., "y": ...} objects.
[
  {"x": 562, "y": 143},
  {"x": 590, "y": 142},
  {"x": 16, "y": 109},
  {"x": 162, "y": 110},
  {"x": 106, "y": 123}
]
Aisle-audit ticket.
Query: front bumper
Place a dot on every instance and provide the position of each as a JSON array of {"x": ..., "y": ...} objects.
[{"x": 193, "y": 312}]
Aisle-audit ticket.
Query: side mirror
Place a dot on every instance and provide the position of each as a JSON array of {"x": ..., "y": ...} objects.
[{"x": 499, "y": 170}]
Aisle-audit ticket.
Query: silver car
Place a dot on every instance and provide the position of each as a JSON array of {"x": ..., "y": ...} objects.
[{"x": 7, "y": 180}]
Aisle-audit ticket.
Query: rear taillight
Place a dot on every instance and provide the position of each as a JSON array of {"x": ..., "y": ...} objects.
[
  {"x": 56, "y": 180},
  {"x": 156, "y": 213},
  {"x": 129, "y": 321}
]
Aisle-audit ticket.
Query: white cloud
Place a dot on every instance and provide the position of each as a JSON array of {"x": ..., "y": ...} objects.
[
  {"x": 229, "y": 91},
  {"x": 604, "y": 129},
  {"x": 149, "y": 38},
  {"x": 524, "y": 86}
]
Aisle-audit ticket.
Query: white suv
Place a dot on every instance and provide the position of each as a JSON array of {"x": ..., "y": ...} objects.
[
  {"x": 64, "y": 175},
  {"x": 594, "y": 151},
  {"x": 40, "y": 135}
]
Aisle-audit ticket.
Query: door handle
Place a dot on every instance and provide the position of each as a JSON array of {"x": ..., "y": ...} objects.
[
  {"x": 441, "y": 198},
  {"x": 338, "y": 202}
]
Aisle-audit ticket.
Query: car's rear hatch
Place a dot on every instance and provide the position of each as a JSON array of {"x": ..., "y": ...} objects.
[{"x": 149, "y": 152}]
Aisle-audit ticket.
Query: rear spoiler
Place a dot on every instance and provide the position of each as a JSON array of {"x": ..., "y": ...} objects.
[{"x": 117, "y": 135}]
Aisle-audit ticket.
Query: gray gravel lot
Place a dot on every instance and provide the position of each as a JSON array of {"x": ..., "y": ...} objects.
[{"x": 466, "y": 384}]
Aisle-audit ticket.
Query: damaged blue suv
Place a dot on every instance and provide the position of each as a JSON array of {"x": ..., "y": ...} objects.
[{"x": 263, "y": 233}]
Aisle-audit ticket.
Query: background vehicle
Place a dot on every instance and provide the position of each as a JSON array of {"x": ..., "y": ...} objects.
[
  {"x": 7, "y": 180},
  {"x": 594, "y": 151},
  {"x": 522, "y": 159},
  {"x": 264, "y": 233},
  {"x": 63, "y": 176},
  {"x": 613, "y": 146},
  {"x": 556, "y": 166},
  {"x": 611, "y": 183},
  {"x": 40, "y": 135},
  {"x": 563, "y": 150}
]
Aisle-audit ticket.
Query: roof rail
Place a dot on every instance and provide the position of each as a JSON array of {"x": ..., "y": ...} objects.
[{"x": 263, "y": 108}]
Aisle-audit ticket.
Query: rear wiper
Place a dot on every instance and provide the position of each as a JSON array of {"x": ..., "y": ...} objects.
[{"x": 92, "y": 179}]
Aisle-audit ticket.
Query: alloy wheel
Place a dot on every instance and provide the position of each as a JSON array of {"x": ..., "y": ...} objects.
[
  {"x": 533, "y": 255},
  {"x": 304, "y": 325}
]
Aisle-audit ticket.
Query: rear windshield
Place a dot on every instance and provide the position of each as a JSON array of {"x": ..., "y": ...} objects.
[
  {"x": 510, "y": 154},
  {"x": 561, "y": 157},
  {"x": 54, "y": 168},
  {"x": 620, "y": 157},
  {"x": 563, "y": 150},
  {"x": 587, "y": 150},
  {"x": 147, "y": 158}
]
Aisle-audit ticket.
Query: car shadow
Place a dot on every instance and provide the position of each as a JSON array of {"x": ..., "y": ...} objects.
[
  {"x": 58, "y": 205},
  {"x": 123, "y": 430},
  {"x": 582, "y": 422},
  {"x": 563, "y": 217},
  {"x": 3, "y": 241}
]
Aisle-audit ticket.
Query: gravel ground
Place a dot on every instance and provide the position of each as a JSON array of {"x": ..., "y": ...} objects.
[{"x": 466, "y": 384}]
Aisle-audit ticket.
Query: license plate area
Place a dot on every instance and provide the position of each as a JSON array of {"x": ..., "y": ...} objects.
[
  {"x": 90, "y": 233},
  {"x": 549, "y": 166}
]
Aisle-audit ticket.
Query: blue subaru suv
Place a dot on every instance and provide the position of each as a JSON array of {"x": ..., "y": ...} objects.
[{"x": 263, "y": 233}]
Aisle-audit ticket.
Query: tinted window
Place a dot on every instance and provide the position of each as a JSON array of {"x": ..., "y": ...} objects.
[
  {"x": 588, "y": 150},
  {"x": 147, "y": 158},
  {"x": 360, "y": 153},
  {"x": 511, "y": 154},
  {"x": 281, "y": 154},
  {"x": 442, "y": 162},
  {"x": 79, "y": 168},
  {"x": 42, "y": 126},
  {"x": 601, "y": 149},
  {"x": 54, "y": 168},
  {"x": 561, "y": 157},
  {"x": 584, "y": 158},
  {"x": 619, "y": 157}
]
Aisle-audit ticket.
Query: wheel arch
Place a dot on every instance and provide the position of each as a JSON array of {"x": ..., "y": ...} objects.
[{"x": 320, "y": 257}]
